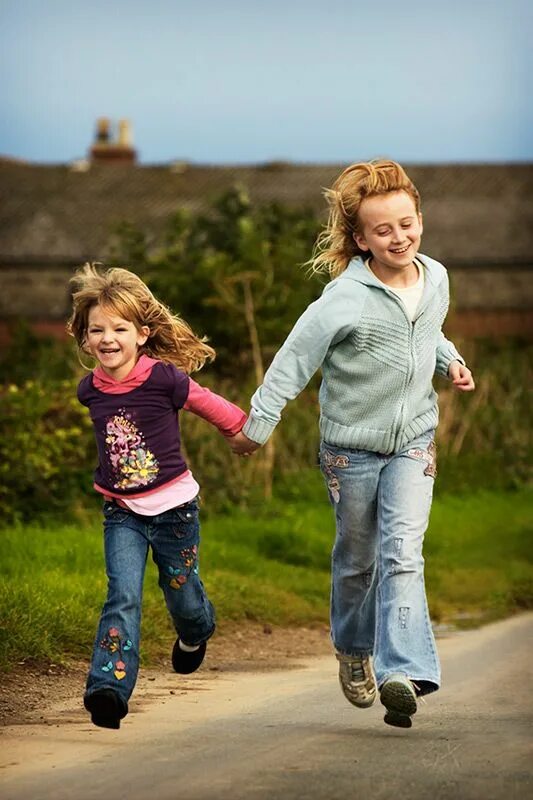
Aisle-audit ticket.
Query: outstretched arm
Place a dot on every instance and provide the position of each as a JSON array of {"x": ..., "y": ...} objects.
[
  {"x": 225, "y": 416},
  {"x": 325, "y": 322}
]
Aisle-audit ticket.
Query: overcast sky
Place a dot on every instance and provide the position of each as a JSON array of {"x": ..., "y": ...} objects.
[{"x": 231, "y": 81}]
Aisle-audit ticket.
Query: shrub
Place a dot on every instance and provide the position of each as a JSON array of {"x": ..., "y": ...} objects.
[{"x": 45, "y": 441}]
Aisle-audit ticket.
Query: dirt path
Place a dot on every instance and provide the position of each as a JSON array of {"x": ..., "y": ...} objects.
[
  {"x": 43, "y": 695},
  {"x": 291, "y": 734}
]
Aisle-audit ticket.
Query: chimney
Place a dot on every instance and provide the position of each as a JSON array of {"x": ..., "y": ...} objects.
[
  {"x": 112, "y": 151},
  {"x": 102, "y": 130},
  {"x": 124, "y": 133}
]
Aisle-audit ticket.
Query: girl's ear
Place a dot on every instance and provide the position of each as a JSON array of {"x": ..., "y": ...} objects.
[
  {"x": 421, "y": 223},
  {"x": 360, "y": 242},
  {"x": 142, "y": 335}
]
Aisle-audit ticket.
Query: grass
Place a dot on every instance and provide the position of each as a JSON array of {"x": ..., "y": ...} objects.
[{"x": 270, "y": 564}]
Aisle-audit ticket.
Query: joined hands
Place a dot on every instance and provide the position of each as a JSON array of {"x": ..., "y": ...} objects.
[{"x": 241, "y": 445}]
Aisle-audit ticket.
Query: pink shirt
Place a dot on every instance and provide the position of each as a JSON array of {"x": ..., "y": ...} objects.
[{"x": 227, "y": 417}]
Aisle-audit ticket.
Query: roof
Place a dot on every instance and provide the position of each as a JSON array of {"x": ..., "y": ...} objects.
[{"x": 473, "y": 214}]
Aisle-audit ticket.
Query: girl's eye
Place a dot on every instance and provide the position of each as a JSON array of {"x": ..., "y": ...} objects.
[{"x": 382, "y": 233}]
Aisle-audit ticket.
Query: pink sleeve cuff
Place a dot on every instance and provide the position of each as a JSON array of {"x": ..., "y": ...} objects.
[{"x": 225, "y": 416}]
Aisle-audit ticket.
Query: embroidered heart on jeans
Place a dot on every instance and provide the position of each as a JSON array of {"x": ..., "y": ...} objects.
[{"x": 120, "y": 670}]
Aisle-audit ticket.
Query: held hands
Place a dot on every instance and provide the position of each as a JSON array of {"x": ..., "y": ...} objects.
[
  {"x": 241, "y": 445},
  {"x": 461, "y": 377}
]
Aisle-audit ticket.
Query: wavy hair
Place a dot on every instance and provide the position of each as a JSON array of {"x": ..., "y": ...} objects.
[
  {"x": 335, "y": 245},
  {"x": 121, "y": 292}
]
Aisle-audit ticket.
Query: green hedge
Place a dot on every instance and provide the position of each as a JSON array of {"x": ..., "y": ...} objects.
[{"x": 45, "y": 445}]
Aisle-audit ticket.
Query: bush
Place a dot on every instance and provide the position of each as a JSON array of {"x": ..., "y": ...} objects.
[
  {"x": 45, "y": 441},
  {"x": 33, "y": 357}
]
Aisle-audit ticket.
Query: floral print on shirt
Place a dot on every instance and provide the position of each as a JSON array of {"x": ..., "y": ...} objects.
[{"x": 133, "y": 465}]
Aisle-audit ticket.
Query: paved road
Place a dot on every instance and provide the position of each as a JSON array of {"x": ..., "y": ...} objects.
[{"x": 292, "y": 735}]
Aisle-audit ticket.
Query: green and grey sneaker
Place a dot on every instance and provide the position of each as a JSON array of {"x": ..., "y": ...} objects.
[
  {"x": 357, "y": 679},
  {"x": 399, "y": 698}
]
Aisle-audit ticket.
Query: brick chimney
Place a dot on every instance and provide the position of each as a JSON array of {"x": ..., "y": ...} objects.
[{"x": 112, "y": 151}]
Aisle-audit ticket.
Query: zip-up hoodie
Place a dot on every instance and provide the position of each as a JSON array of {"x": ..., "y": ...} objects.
[{"x": 377, "y": 365}]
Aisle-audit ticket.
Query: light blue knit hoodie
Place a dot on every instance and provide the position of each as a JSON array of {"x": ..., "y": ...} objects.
[{"x": 377, "y": 365}]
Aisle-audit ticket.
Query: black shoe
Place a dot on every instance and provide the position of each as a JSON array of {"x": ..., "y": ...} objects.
[
  {"x": 184, "y": 662},
  {"x": 106, "y": 708}
]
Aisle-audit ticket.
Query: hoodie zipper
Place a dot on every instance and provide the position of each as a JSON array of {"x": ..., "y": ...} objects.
[{"x": 398, "y": 428}]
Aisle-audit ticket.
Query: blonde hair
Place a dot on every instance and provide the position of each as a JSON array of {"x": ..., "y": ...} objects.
[
  {"x": 336, "y": 246},
  {"x": 121, "y": 292}
]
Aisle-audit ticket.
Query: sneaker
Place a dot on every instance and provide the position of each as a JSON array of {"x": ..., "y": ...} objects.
[
  {"x": 184, "y": 662},
  {"x": 357, "y": 679},
  {"x": 398, "y": 695},
  {"x": 106, "y": 708}
]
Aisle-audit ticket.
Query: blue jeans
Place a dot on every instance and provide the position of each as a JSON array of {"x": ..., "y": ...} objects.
[
  {"x": 174, "y": 538},
  {"x": 378, "y": 599}
]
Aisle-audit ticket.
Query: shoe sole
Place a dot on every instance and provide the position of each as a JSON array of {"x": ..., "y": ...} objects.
[
  {"x": 398, "y": 720},
  {"x": 400, "y": 703}
]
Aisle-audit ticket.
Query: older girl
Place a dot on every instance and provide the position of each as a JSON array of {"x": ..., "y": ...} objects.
[{"x": 376, "y": 334}]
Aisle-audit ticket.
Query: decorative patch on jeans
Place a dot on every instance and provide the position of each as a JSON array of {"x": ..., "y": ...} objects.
[
  {"x": 336, "y": 461},
  {"x": 114, "y": 643},
  {"x": 119, "y": 669},
  {"x": 331, "y": 461},
  {"x": 179, "y": 575},
  {"x": 403, "y": 616},
  {"x": 429, "y": 456}
]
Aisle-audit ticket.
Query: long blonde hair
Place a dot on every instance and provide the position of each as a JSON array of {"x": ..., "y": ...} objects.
[
  {"x": 121, "y": 292},
  {"x": 336, "y": 246}
]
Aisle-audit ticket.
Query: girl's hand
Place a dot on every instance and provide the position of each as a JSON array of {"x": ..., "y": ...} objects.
[
  {"x": 241, "y": 445},
  {"x": 461, "y": 377}
]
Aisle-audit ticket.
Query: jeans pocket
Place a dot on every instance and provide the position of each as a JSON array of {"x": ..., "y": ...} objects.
[
  {"x": 184, "y": 522},
  {"x": 114, "y": 513}
]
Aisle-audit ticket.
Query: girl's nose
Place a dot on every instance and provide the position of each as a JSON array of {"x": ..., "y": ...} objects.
[{"x": 397, "y": 235}]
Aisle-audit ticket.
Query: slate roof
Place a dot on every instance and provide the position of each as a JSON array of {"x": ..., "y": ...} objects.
[{"x": 473, "y": 214}]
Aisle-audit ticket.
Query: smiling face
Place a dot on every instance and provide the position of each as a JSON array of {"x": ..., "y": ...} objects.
[
  {"x": 391, "y": 230},
  {"x": 114, "y": 341}
]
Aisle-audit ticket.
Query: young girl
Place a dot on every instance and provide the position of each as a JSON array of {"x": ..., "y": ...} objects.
[
  {"x": 144, "y": 355},
  {"x": 376, "y": 334}
]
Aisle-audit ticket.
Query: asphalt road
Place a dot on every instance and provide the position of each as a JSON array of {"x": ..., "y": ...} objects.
[{"x": 292, "y": 735}]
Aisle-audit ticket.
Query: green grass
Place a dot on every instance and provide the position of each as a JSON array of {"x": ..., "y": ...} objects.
[
  {"x": 269, "y": 564},
  {"x": 479, "y": 556}
]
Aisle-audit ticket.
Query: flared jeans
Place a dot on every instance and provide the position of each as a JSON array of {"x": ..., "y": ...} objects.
[
  {"x": 378, "y": 599},
  {"x": 174, "y": 538}
]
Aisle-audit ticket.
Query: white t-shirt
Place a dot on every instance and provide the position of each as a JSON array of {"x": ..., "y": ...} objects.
[{"x": 409, "y": 295}]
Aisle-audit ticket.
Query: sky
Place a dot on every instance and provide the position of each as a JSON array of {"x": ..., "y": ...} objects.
[{"x": 238, "y": 81}]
